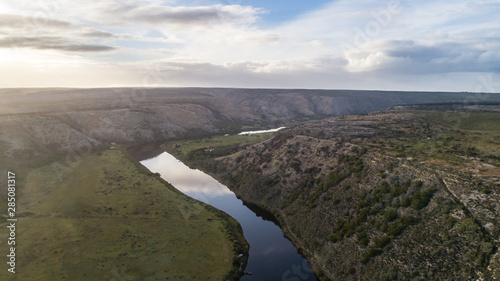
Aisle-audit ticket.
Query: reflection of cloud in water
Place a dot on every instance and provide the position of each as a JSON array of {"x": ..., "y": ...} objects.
[{"x": 185, "y": 179}]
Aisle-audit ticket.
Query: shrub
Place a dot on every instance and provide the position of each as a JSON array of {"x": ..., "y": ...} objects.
[
  {"x": 382, "y": 174},
  {"x": 362, "y": 216},
  {"x": 450, "y": 222},
  {"x": 408, "y": 220},
  {"x": 335, "y": 177},
  {"x": 391, "y": 214},
  {"x": 418, "y": 203},
  {"x": 382, "y": 225},
  {"x": 384, "y": 187},
  {"x": 337, "y": 236},
  {"x": 444, "y": 206},
  {"x": 395, "y": 229},
  {"x": 418, "y": 183},
  {"x": 372, "y": 252},
  {"x": 361, "y": 235},
  {"x": 406, "y": 202},
  {"x": 421, "y": 199},
  {"x": 468, "y": 226},
  {"x": 364, "y": 242},
  {"x": 486, "y": 191},
  {"x": 382, "y": 241}
]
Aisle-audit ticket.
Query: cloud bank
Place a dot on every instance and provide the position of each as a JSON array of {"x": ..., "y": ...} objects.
[{"x": 404, "y": 45}]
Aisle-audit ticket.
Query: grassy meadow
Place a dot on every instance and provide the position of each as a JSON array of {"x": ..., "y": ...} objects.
[
  {"x": 195, "y": 149},
  {"x": 109, "y": 218}
]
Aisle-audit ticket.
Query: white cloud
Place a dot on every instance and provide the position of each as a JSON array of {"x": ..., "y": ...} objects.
[{"x": 348, "y": 43}]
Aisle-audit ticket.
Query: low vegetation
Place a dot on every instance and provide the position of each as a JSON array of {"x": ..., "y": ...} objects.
[
  {"x": 194, "y": 150},
  {"x": 110, "y": 218}
]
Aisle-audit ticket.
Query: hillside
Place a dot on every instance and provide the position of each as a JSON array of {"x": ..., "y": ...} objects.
[
  {"x": 411, "y": 193},
  {"x": 34, "y": 121},
  {"x": 110, "y": 218}
]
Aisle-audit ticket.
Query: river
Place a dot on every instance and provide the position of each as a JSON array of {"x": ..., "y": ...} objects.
[{"x": 272, "y": 256}]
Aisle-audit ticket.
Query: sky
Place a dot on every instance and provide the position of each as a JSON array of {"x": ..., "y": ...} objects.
[{"x": 419, "y": 45}]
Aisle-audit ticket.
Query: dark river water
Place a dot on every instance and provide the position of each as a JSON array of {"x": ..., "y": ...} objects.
[{"x": 272, "y": 256}]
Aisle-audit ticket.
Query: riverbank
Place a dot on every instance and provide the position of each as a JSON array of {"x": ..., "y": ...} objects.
[{"x": 193, "y": 153}]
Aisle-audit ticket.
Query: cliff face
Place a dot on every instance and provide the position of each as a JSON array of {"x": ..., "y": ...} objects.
[{"x": 379, "y": 197}]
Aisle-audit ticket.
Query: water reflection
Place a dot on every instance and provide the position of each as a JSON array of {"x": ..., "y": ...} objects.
[
  {"x": 192, "y": 182},
  {"x": 272, "y": 257}
]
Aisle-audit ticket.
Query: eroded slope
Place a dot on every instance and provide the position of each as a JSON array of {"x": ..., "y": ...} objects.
[{"x": 388, "y": 196}]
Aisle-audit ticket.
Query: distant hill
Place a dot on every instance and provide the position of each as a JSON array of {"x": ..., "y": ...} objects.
[{"x": 40, "y": 119}]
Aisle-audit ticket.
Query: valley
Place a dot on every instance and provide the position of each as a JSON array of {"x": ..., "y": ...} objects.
[{"x": 400, "y": 191}]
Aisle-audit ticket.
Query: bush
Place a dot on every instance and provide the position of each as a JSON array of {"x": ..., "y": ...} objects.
[
  {"x": 336, "y": 237},
  {"x": 486, "y": 191},
  {"x": 391, "y": 214},
  {"x": 384, "y": 187},
  {"x": 382, "y": 225},
  {"x": 395, "y": 229},
  {"x": 363, "y": 215},
  {"x": 406, "y": 202},
  {"x": 361, "y": 235},
  {"x": 335, "y": 177},
  {"x": 382, "y": 241},
  {"x": 450, "y": 222},
  {"x": 468, "y": 226},
  {"x": 421, "y": 199},
  {"x": 362, "y": 238},
  {"x": 418, "y": 183},
  {"x": 382, "y": 174},
  {"x": 408, "y": 220},
  {"x": 364, "y": 242},
  {"x": 372, "y": 252},
  {"x": 418, "y": 203},
  {"x": 444, "y": 206}
]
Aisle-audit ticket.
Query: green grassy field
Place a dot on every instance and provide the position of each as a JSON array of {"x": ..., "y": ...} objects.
[
  {"x": 111, "y": 219},
  {"x": 446, "y": 137},
  {"x": 473, "y": 121},
  {"x": 219, "y": 143}
]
